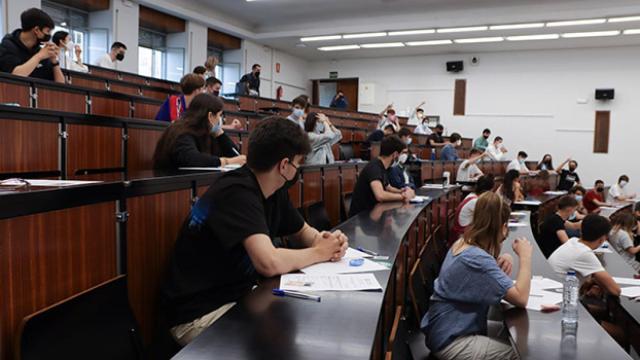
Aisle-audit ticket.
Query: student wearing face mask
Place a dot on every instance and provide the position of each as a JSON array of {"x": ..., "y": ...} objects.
[
  {"x": 594, "y": 198},
  {"x": 511, "y": 190},
  {"x": 251, "y": 81},
  {"x": 399, "y": 176},
  {"x": 405, "y": 135},
  {"x": 175, "y": 105},
  {"x": 421, "y": 121},
  {"x": 197, "y": 140},
  {"x": 518, "y": 163},
  {"x": 227, "y": 243},
  {"x": 620, "y": 191},
  {"x": 388, "y": 117},
  {"x": 373, "y": 184},
  {"x": 496, "y": 149},
  {"x": 482, "y": 142},
  {"x": 299, "y": 107},
  {"x": 568, "y": 178},
  {"x": 322, "y": 136},
  {"x": 435, "y": 139},
  {"x": 468, "y": 170},
  {"x": 339, "y": 101},
  {"x": 449, "y": 152},
  {"x": 109, "y": 60},
  {"x": 68, "y": 49},
  {"x": 28, "y": 51},
  {"x": 546, "y": 164},
  {"x": 553, "y": 231}
]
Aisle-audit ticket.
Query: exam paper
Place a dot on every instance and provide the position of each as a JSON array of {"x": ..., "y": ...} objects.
[
  {"x": 342, "y": 267},
  {"x": 419, "y": 199},
  {"x": 632, "y": 291},
  {"x": 550, "y": 192},
  {"x": 517, "y": 224},
  {"x": 540, "y": 284},
  {"x": 348, "y": 282},
  {"x": 43, "y": 182},
  {"x": 536, "y": 300},
  {"x": 626, "y": 281},
  {"x": 528, "y": 202},
  {"x": 436, "y": 186},
  {"x": 356, "y": 254}
]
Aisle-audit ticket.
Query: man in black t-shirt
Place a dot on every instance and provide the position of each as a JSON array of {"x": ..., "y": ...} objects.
[
  {"x": 373, "y": 186},
  {"x": 435, "y": 139},
  {"x": 28, "y": 51},
  {"x": 252, "y": 80},
  {"x": 226, "y": 243},
  {"x": 552, "y": 231},
  {"x": 568, "y": 178}
]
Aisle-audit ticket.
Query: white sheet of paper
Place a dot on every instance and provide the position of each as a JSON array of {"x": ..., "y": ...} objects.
[
  {"x": 608, "y": 208},
  {"x": 514, "y": 224},
  {"x": 555, "y": 192},
  {"x": 419, "y": 199},
  {"x": 342, "y": 267},
  {"x": 195, "y": 168},
  {"x": 604, "y": 249},
  {"x": 436, "y": 186},
  {"x": 528, "y": 202},
  {"x": 543, "y": 298},
  {"x": 632, "y": 291},
  {"x": 344, "y": 282},
  {"x": 355, "y": 254},
  {"x": 626, "y": 281},
  {"x": 540, "y": 285},
  {"x": 44, "y": 182},
  {"x": 518, "y": 213}
]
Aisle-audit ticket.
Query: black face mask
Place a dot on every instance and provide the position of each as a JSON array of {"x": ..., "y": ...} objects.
[
  {"x": 120, "y": 56},
  {"x": 599, "y": 189},
  {"x": 485, "y": 136},
  {"x": 216, "y": 93},
  {"x": 289, "y": 183},
  {"x": 44, "y": 39},
  {"x": 257, "y": 74},
  {"x": 572, "y": 169}
]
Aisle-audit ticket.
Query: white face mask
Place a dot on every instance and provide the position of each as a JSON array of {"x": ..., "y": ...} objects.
[
  {"x": 319, "y": 127},
  {"x": 459, "y": 142},
  {"x": 409, "y": 140},
  {"x": 521, "y": 161},
  {"x": 623, "y": 183},
  {"x": 403, "y": 158},
  {"x": 298, "y": 113}
]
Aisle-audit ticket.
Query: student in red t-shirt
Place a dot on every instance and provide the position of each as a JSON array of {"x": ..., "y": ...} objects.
[{"x": 594, "y": 198}]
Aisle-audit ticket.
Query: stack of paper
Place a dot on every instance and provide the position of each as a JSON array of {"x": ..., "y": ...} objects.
[
  {"x": 350, "y": 282},
  {"x": 419, "y": 199},
  {"x": 541, "y": 293},
  {"x": 631, "y": 291},
  {"x": 528, "y": 202},
  {"x": 342, "y": 267},
  {"x": 352, "y": 253}
]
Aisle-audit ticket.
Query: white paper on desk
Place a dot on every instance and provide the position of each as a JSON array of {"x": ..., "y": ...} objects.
[
  {"x": 518, "y": 213},
  {"x": 539, "y": 284},
  {"x": 44, "y": 182},
  {"x": 626, "y": 281},
  {"x": 631, "y": 291},
  {"x": 344, "y": 282},
  {"x": 342, "y": 267},
  {"x": 419, "y": 199},
  {"x": 528, "y": 202},
  {"x": 536, "y": 300},
  {"x": 604, "y": 249},
  {"x": 550, "y": 192},
  {"x": 517, "y": 224},
  {"x": 436, "y": 186},
  {"x": 355, "y": 254},
  {"x": 195, "y": 168},
  {"x": 608, "y": 208}
]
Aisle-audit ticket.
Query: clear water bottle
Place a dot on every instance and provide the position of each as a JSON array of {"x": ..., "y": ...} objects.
[
  {"x": 433, "y": 154},
  {"x": 570, "y": 299}
]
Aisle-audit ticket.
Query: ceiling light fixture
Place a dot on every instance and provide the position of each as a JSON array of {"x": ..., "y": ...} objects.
[
  {"x": 382, "y": 45},
  {"x": 320, "y": 38},
  {"x": 631, "y": 32},
  {"x": 591, "y": 34},
  {"x": 339, "y": 47},
  {"x": 364, "y": 35},
  {"x": 533, "y": 37},
  {"x": 516, "y": 26},
  {"x": 624, "y": 19},
  {"x": 411, "y": 32},
  {"x": 576, "y": 22},
  {"x": 479, "y": 40},
  {"x": 462, "y": 29},
  {"x": 429, "y": 42}
]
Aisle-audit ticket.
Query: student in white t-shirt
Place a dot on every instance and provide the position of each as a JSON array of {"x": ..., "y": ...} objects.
[
  {"x": 621, "y": 238},
  {"x": 464, "y": 211},
  {"x": 496, "y": 149},
  {"x": 117, "y": 52},
  {"x": 518, "y": 164},
  {"x": 620, "y": 191},
  {"x": 577, "y": 255},
  {"x": 468, "y": 170}
]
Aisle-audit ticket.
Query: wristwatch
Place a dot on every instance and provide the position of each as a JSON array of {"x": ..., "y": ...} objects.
[{"x": 55, "y": 64}]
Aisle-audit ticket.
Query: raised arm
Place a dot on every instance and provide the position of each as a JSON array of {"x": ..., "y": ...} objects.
[{"x": 559, "y": 168}]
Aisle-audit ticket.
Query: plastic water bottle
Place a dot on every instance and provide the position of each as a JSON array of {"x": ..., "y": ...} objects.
[{"x": 570, "y": 299}]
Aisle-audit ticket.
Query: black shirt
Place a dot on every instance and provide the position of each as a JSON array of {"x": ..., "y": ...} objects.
[
  {"x": 363, "y": 197},
  {"x": 436, "y": 138},
  {"x": 567, "y": 179},
  {"x": 190, "y": 150},
  {"x": 375, "y": 136},
  {"x": 13, "y": 53},
  {"x": 210, "y": 266},
  {"x": 549, "y": 240},
  {"x": 254, "y": 81}
]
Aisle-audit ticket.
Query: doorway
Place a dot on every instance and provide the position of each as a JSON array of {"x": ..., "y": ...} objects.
[{"x": 325, "y": 89}]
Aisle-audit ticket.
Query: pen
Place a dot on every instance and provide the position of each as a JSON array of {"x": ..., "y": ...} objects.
[
  {"x": 295, "y": 294},
  {"x": 368, "y": 252},
  {"x": 235, "y": 150}
]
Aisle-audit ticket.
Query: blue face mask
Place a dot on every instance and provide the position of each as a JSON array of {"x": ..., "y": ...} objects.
[
  {"x": 319, "y": 128},
  {"x": 298, "y": 113},
  {"x": 572, "y": 217},
  {"x": 215, "y": 128},
  {"x": 578, "y": 198},
  {"x": 521, "y": 161}
]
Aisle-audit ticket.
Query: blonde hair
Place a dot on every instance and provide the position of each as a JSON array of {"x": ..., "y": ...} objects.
[
  {"x": 490, "y": 216},
  {"x": 211, "y": 62}
]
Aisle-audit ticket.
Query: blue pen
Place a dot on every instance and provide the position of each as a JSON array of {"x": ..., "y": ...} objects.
[
  {"x": 368, "y": 252},
  {"x": 295, "y": 294}
]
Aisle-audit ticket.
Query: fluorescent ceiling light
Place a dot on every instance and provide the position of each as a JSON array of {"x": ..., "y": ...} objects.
[
  {"x": 412, "y": 32},
  {"x": 429, "y": 42},
  {"x": 463, "y": 29},
  {"x": 364, "y": 35},
  {"x": 382, "y": 45},
  {"x": 576, "y": 22},
  {"x": 533, "y": 37},
  {"x": 624, "y": 19},
  {"x": 516, "y": 26},
  {"x": 339, "y": 47},
  {"x": 591, "y": 34},
  {"x": 320, "y": 38},
  {"x": 632, "y": 32},
  {"x": 479, "y": 40}
]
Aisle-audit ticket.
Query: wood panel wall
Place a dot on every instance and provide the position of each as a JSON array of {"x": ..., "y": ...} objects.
[
  {"x": 93, "y": 147},
  {"x": 29, "y": 146},
  {"x": 140, "y": 148},
  {"x": 54, "y": 99},
  {"x": 101, "y": 105},
  {"x": 50, "y": 256}
]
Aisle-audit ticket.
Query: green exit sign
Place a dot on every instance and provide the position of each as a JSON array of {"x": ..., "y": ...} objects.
[{"x": 333, "y": 75}]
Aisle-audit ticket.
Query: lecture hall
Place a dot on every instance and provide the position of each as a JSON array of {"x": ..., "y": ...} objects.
[{"x": 319, "y": 179}]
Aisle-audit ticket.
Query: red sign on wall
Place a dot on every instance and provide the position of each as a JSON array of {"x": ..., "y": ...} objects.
[{"x": 278, "y": 68}]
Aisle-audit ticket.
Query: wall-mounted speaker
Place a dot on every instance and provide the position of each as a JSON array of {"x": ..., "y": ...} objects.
[
  {"x": 455, "y": 66},
  {"x": 605, "y": 94}
]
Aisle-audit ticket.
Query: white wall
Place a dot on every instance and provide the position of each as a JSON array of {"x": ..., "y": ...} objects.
[
  {"x": 197, "y": 49},
  {"x": 529, "y": 98},
  {"x": 121, "y": 21},
  {"x": 12, "y": 10}
]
